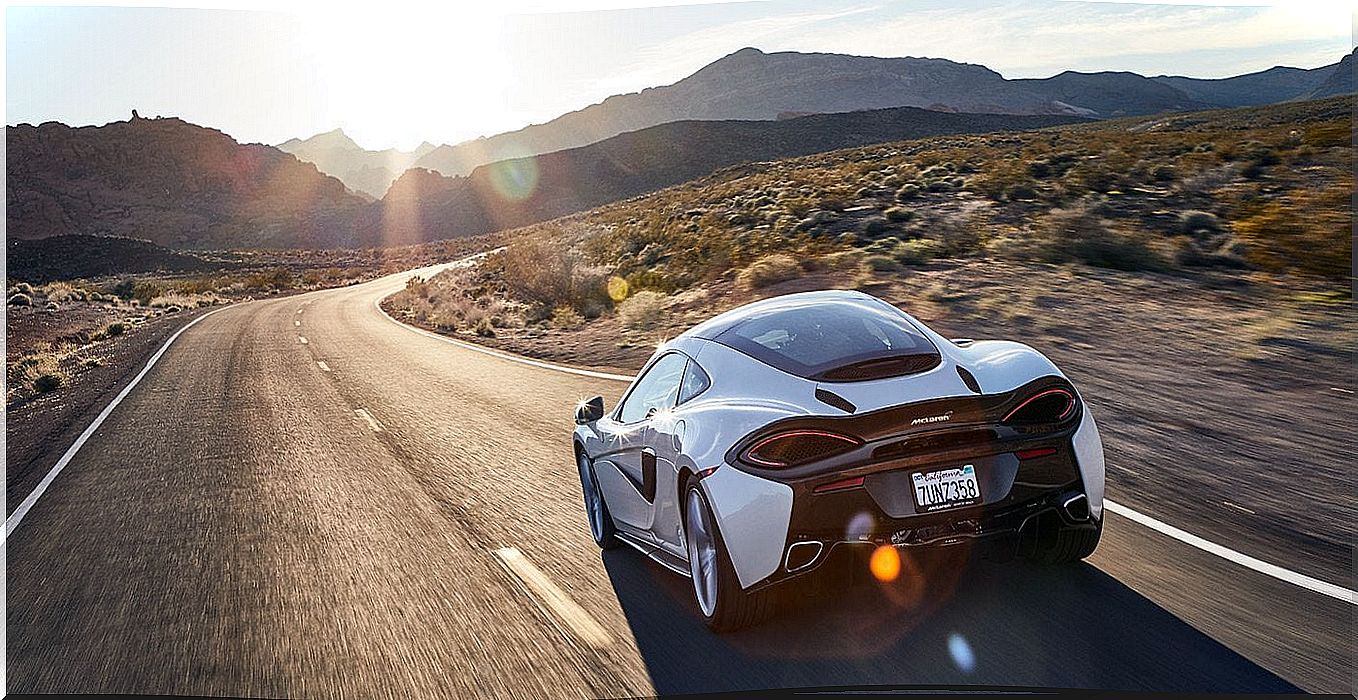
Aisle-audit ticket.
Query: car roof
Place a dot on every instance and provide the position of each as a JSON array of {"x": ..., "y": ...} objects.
[{"x": 715, "y": 326}]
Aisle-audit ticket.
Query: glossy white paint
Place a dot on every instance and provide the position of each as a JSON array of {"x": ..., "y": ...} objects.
[
  {"x": 1089, "y": 455},
  {"x": 752, "y": 515}
]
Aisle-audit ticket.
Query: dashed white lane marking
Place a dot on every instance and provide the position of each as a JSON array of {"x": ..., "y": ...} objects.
[
  {"x": 302, "y": 339},
  {"x": 324, "y": 367},
  {"x": 17, "y": 516},
  {"x": 1245, "y": 560},
  {"x": 1238, "y": 507},
  {"x": 555, "y": 603},
  {"x": 1187, "y": 538},
  {"x": 372, "y": 422}
]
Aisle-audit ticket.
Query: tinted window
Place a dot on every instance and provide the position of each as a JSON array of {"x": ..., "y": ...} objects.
[
  {"x": 827, "y": 339},
  {"x": 696, "y": 382},
  {"x": 658, "y": 388}
]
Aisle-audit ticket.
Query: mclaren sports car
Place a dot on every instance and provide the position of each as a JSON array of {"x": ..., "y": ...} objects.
[{"x": 754, "y": 446}]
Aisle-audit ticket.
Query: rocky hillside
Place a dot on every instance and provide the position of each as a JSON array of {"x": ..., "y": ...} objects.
[
  {"x": 515, "y": 192},
  {"x": 173, "y": 183},
  {"x": 368, "y": 172},
  {"x": 1277, "y": 84},
  {"x": 751, "y": 84}
]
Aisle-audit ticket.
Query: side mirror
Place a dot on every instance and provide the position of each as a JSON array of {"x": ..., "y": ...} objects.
[{"x": 589, "y": 411}]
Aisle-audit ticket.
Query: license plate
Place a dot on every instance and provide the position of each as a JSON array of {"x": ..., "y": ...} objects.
[{"x": 946, "y": 488}]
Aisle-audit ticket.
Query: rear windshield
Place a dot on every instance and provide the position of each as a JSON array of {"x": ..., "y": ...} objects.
[{"x": 834, "y": 341}]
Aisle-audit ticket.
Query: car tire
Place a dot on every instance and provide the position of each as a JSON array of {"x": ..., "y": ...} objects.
[
  {"x": 601, "y": 526},
  {"x": 727, "y": 606},
  {"x": 1067, "y": 545}
]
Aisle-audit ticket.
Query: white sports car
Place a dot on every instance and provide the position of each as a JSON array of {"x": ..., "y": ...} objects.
[{"x": 756, "y": 444}]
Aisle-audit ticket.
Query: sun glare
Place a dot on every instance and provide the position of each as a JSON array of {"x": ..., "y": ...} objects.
[{"x": 394, "y": 78}]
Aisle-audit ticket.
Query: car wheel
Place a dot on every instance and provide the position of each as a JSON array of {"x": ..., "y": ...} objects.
[
  {"x": 721, "y": 601},
  {"x": 596, "y": 510},
  {"x": 1067, "y": 544}
]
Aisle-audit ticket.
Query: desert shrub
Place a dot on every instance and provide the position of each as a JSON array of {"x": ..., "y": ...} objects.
[
  {"x": 898, "y": 214},
  {"x": 1020, "y": 192},
  {"x": 115, "y": 329},
  {"x": 20, "y": 299},
  {"x": 60, "y": 292},
  {"x": 769, "y": 270},
  {"x": 642, "y": 310},
  {"x": 538, "y": 272},
  {"x": 1221, "y": 250},
  {"x": 50, "y": 381},
  {"x": 1163, "y": 173},
  {"x": 881, "y": 263},
  {"x": 146, "y": 290},
  {"x": 1308, "y": 232},
  {"x": 24, "y": 288},
  {"x": 484, "y": 328},
  {"x": 1079, "y": 235},
  {"x": 566, "y": 318},
  {"x": 907, "y": 192},
  {"x": 1197, "y": 221},
  {"x": 918, "y": 251},
  {"x": 52, "y": 306},
  {"x": 874, "y": 225}
]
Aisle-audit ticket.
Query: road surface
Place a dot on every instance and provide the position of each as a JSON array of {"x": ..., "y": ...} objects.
[{"x": 304, "y": 498}]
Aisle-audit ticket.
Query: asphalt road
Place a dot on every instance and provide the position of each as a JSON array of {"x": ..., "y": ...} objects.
[{"x": 304, "y": 498}]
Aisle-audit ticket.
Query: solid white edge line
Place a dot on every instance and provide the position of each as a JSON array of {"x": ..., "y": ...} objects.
[
  {"x": 545, "y": 593},
  {"x": 502, "y": 355},
  {"x": 1258, "y": 565},
  {"x": 1245, "y": 560},
  {"x": 17, "y": 516}
]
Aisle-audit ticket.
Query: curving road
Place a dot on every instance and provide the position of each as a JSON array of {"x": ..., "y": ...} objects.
[{"x": 304, "y": 498}]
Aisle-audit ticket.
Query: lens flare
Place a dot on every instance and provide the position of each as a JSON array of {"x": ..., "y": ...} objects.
[
  {"x": 515, "y": 179},
  {"x": 961, "y": 653},
  {"x": 885, "y": 563},
  {"x": 617, "y": 288}
]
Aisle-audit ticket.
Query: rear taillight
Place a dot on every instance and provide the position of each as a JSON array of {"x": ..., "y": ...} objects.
[
  {"x": 797, "y": 447},
  {"x": 1050, "y": 406}
]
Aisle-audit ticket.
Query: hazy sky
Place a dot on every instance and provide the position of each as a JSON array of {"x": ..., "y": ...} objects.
[{"x": 392, "y": 75}]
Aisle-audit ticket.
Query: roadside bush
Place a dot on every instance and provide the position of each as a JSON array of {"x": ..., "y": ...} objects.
[
  {"x": 484, "y": 328},
  {"x": 24, "y": 288},
  {"x": 20, "y": 299},
  {"x": 50, "y": 381},
  {"x": 881, "y": 263},
  {"x": 874, "y": 225},
  {"x": 566, "y": 318},
  {"x": 899, "y": 214},
  {"x": 1192, "y": 222},
  {"x": 918, "y": 251},
  {"x": 1306, "y": 232},
  {"x": 907, "y": 192},
  {"x": 642, "y": 310},
  {"x": 1080, "y": 235},
  {"x": 771, "y": 269},
  {"x": 114, "y": 329}
]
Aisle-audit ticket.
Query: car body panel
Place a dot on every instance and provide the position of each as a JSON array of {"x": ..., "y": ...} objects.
[{"x": 753, "y": 509}]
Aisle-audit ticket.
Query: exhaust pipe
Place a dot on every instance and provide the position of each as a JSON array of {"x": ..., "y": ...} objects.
[{"x": 1076, "y": 508}]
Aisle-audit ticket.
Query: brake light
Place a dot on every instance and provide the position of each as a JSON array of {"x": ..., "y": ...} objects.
[
  {"x": 1035, "y": 453},
  {"x": 797, "y": 447},
  {"x": 1047, "y": 406}
]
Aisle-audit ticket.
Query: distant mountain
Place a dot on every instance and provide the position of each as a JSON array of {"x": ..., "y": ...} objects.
[
  {"x": 1277, "y": 84},
  {"x": 171, "y": 182},
  {"x": 751, "y": 84},
  {"x": 368, "y": 172},
  {"x": 42, "y": 260},
  {"x": 424, "y": 205},
  {"x": 1338, "y": 82}
]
